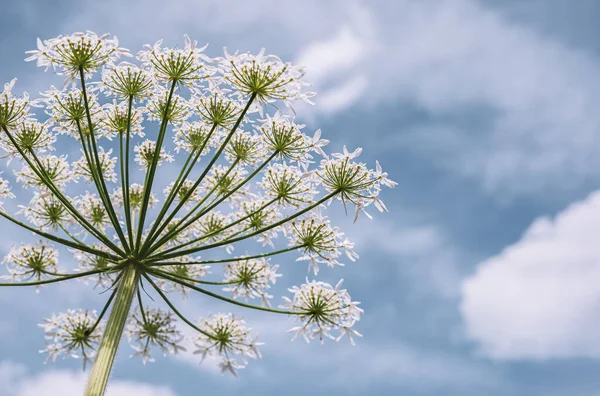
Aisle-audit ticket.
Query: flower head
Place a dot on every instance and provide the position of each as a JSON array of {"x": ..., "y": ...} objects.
[
  {"x": 228, "y": 339},
  {"x": 151, "y": 327},
  {"x": 77, "y": 53},
  {"x": 127, "y": 80},
  {"x": 250, "y": 278},
  {"x": 323, "y": 309},
  {"x": 75, "y": 333},
  {"x": 13, "y": 111},
  {"x": 145, "y": 153},
  {"x": 184, "y": 66},
  {"x": 37, "y": 262},
  {"x": 264, "y": 76}
]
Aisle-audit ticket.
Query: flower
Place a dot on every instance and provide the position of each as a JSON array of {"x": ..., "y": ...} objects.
[
  {"x": 145, "y": 154},
  {"x": 250, "y": 278},
  {"x": 183, "y": 272},
  {"x": 228, "y": 339},
  {"x": 264, "y": 76},
  {"x": 151, "y": 327},
  {"x": 127, "y": 80},
  {"x": 136, "y": 197},
  {"x": 217, "y": 109},
  {"x": 107, "y": 166},
  {"x": 56, "y": 170},
  {"x": 248, "y": 174},
  {"x": 320, "y": 242},
  {"x": 28, "y": 136},
  {"x": 75, "y": 333},
  {"x": 184, "y": 66},
  {"x": 93, "y": 210},
  {"x": 174, "y": 111},
  {"x": 13, "y": 111},
  {"x": 35, "y": 262},
  {"x": 79, "y": 52},
  {"x": 115, "y": 118},
  {"x": 195, "y": 137},
  {"x": 91, "y": 262},
  {"x": 323, "y": 309},
  {"x": 288, "y": 185},
  {"x": 47, "y": 212}
]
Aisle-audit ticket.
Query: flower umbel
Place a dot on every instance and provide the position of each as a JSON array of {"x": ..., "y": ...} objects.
[{"x": 232, "y": 176}]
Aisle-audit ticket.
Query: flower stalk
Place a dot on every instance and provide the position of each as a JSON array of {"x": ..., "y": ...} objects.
[{"x": 115, "y": 325}]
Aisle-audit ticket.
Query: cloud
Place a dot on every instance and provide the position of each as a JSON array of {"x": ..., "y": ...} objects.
[
  {"x": 15, "y": 382},
  {"x": 539, "y": 298}
]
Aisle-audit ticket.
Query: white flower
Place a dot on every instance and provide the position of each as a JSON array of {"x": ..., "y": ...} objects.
[
  {"x": 217, "y": 109},
  {"x": 222, "y": 180},
  {"x": 45, "y": 211},
  {"x": 251, "y": 278},
  {"x": 115, "y": 119},
  {"x": 185, "y": 188},
  {"x": 153, "y": 328},
  {"x": 323, "y": 309},
  {"x": 184, "y": 272},
  {"x": 72, "y": 334},
  {"x": 321, "y": 242},
  {"x": 265, "y": 76},
  {"x": 144, "y": 154},
  {"x": 136, "y": 197},
  {"x": 91, "y": 262},
  {"x": 228, "y": 339},
  {"x": 32, "y": 262},
  {"x": 184, "y": 66},
  {"x": 93, "y": 209},
  {"x": 56, "y": 169},
  {"x": 13, "y": 111},
  {"x": 127, "y": 80},
  {"x": 177, "y": 111},
  {"x": 288, "y": 184},
  {"x": 107, "y": 165},
  {"x": 29, "y": 136},
  {"x": 195, "y": 136},
  {"x": 79, "y": 51}
]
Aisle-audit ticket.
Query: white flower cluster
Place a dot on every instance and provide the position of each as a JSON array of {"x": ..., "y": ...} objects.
[
  {"x": 75, "y": 333},
  {"x": 228, "y": 339},
  {"x": 246, "y": 176},
  {"x": 323, "y": 309},
  {"x": 153, "y": 328}
]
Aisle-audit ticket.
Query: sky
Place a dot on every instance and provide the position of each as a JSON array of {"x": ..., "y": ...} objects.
[{"x": 483, "y": 278}]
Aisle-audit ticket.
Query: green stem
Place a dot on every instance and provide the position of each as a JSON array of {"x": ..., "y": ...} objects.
[
  {"x": 148, "y": 242},
  {"x": 227, "y": 260},
  {"x": 102, "y": 189},
  {"x": 107, "y": 351},
  {"x": 257, "y": 232},
  {"x": 152, "y": 169},
  {"x": 62, "y": 241}
]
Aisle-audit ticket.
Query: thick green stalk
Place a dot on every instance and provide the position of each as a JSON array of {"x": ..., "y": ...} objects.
[{"x": 114, "y": 329}]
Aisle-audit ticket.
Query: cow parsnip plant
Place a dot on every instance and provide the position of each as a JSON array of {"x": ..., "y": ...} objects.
[{"x": 245, "y": 175}]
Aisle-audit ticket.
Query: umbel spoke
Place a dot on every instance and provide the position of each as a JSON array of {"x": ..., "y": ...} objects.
[{"x": 243, "y": 170}]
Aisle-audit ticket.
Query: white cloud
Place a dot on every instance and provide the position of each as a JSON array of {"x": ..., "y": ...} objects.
[
  {"x": 539, "y": 298},
  {"x": 15, "y": 382}
]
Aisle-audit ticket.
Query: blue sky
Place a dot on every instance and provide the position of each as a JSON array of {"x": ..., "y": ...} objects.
[{"x": 482, "y": 279}]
